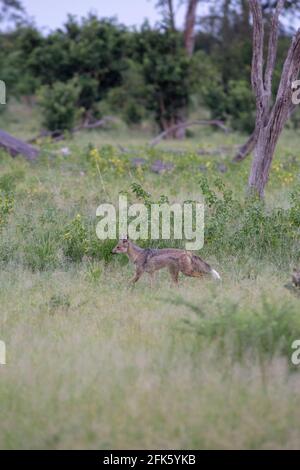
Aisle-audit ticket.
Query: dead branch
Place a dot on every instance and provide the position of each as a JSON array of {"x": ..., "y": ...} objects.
[
  {"x": 247, "y": 148},
  {"x": 184, "y": 125}
]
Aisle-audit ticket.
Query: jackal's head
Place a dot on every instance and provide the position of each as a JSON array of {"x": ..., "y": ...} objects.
[{"x": 122, "y": 246}]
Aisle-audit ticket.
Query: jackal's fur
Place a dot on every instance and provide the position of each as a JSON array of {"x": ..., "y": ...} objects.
[{"x": 150, "y": 260}]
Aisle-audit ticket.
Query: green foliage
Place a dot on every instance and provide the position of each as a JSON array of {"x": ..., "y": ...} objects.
[
  {"x": 139, "y": 74},
  {"x": 236, "y": 104},
  {"x": 166, "y": 70},
  {"x": 6, "y": 207},
  {"x": 8, "y": 181},
  {"x": 266, "y": 329},
  {"x": 91, "y": 50},
  {"x": 58, "y": 103},
  {"x": 241, "y": 106},
  {"x": 130, "y": 98},
  {"x": 76, "y": 239},
  {"x": 248, "y": 229}
]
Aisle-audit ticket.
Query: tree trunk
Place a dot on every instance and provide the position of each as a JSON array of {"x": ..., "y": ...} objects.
[
  {"x": 270, "y": 118},
  {"x": 261, "y": 164},
  {"x": 16, "y": 146},
  {"x": 171, "y": 15},
  {"x": 262, "y": 159},
  {"x": 189, "y": 42},
  {"x": 189, "y": 30}
]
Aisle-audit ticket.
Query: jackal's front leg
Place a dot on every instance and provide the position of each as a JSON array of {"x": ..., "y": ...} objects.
[{"x": 136, "y": 277}]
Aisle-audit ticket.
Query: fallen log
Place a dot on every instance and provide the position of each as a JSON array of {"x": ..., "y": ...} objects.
[
  {"x": 16, "y": 146},
  {"x": 184, "y": 125}
]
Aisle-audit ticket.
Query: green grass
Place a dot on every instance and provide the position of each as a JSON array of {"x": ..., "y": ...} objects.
[{"x": 94, "y": 364}]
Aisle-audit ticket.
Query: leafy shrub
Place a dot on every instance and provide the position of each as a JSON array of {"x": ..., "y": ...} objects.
[
  {"x": 128, "y": 100},
  {"x": 247, "y": 229},
  {"x": 241, "y": 106},
  {"x": 235, "y": 104},
  {"x": 75, "y": 239},
  {"x": 59, "y": 105},
  {"x": 267, "y": 329},
  {"x": 6, "y": 207}
]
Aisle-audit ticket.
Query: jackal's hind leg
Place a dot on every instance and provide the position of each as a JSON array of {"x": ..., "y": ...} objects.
[
  {"x": 174, "y": 271},
  {"x": 152, "y": 278}
]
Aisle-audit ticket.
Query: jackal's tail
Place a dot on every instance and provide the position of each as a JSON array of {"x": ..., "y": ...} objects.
[{"x": 215, "y": 275}]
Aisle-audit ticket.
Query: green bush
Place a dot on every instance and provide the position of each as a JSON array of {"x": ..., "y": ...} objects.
[
  {"x": 267, "y": 329},
  {"x": 75, "y": 239},
  {"x": 129, "y": 99},
  {"x": 241, "y": 106},
  {"x": 59, "y": 105},
  {"x": 247, "y": 229},
  {"x": 235, "y": 104},
  {"x": 6, "y": 207}
]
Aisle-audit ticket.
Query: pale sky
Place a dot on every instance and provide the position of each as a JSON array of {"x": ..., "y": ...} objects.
[{"x": 52, "y": 14}]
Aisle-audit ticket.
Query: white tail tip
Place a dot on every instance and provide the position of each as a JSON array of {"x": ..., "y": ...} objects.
[{"x": 215, "y": 275}]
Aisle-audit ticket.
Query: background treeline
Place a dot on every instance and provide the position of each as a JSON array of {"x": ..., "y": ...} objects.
[{"x": 94, "y": 67}]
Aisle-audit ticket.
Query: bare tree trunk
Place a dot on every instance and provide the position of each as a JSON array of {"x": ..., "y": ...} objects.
[
  {"x": 261, "y": 164},
  {"x": 189, "y": 30},
  {"x": 270, "y": 119},
  {"x": 171, "y": 15},
  {"x": 189, "y": 42}
]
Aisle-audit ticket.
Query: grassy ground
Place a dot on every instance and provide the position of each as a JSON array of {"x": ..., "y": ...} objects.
[{"x": 92, "y": 364}]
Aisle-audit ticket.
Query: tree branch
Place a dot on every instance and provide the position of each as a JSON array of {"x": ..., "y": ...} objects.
[
  {"x": 247, "y": 148},
  {"x": 257, "y": 56},
  {"x": 184, "y": 125},
  {"x": 290, "y": 73},
  {"x": 272, "y": 47}
]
